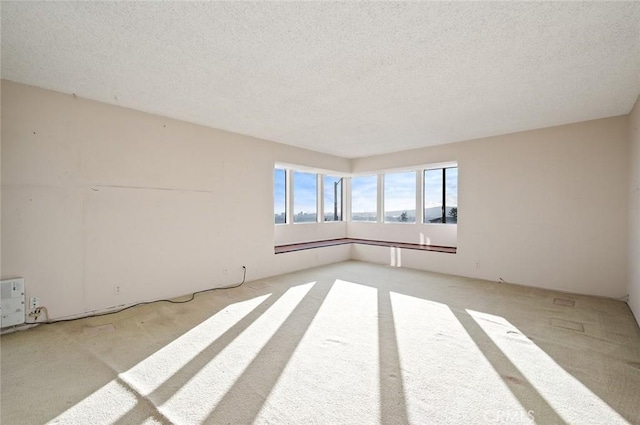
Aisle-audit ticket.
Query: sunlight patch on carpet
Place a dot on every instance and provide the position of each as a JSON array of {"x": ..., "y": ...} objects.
[
  {"x": 572, "y": 400},
  {"x": 105, "y": 406},
  {"x": 153, "y": 371},
  {"x": 440, "y": 361},
  {"x": 114, "y": 399},
  {"x": 210, "y": 383},
  {"x": 333, "y": 373}
]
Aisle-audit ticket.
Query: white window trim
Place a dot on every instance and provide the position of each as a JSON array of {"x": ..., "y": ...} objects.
[{"x": 289, "y": 170}]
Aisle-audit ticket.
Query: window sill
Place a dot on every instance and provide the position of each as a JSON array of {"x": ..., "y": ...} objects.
[{"x": 281, "y": 249}]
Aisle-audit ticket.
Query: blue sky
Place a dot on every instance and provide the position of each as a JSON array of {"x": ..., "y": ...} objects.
[
  {"x": 305, "y": 188},
  {"x": 364, "y": 191},
  {"x": 400, "y": 191},
  {"x": 279, "y": 191},
  {"x": 399, "y": 194}
]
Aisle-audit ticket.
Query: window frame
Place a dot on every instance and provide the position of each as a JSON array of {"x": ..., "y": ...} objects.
[
  {"x": 337, "y": 201},
  {"x": 443, "y": 216},
  {"x": 320, "y": 174},
  {"x": 346, "y": 194},
  {"x": 293, "y": 195},
  {"x": 378, "y": 205},
  {"x": 383, "y": 194}
]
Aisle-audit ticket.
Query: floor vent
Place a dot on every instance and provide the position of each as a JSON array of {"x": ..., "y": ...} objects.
[
  {"x": 564, "y": 302},
  {"x": 567, "y": 324}
]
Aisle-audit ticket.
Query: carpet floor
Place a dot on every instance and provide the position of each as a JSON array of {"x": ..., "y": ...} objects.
[{"x": 349, "y": 343}]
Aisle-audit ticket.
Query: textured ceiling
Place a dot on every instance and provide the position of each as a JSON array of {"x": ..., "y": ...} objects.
[{"x": 350, "y": 79}]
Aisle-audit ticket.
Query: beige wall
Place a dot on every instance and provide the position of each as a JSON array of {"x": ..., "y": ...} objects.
[
  {"x": 95, "y": 195},
  {"x": 545, "y": 208},
  {"x": 634, "y": 211}
]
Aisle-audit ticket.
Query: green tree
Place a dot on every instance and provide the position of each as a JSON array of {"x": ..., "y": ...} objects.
[{"x": 403, "y": 216}]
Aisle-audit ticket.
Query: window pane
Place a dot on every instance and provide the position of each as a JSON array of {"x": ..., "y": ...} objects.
[
  {"x": 279, "y": 196},
  {"x": 451, "y": 194},
  {"x": 433, "y": 196},
  {"x": 364, "y": 198},
  {"x": 332, "y": 198},
  {"x": 400, "y": 197},
  {"x": 305, "y": 192}
]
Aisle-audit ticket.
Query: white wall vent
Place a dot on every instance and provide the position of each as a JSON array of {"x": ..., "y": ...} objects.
[{"x": 12, "y": 308}]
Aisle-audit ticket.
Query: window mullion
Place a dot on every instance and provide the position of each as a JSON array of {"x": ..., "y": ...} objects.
[
  {"x": 346, "y": 200},
  {"x": 444, "y": 195},
  {"x": 380, "y": 200},
  {"x": 419, "y": 196},
  {"x": 319, "y": 198}
]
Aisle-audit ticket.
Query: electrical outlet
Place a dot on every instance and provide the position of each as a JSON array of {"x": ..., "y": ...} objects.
[
  {"x": 34, "y": 302},
  {"x": 116, "y": 289},
  {"x": 477, "y": 264}
]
